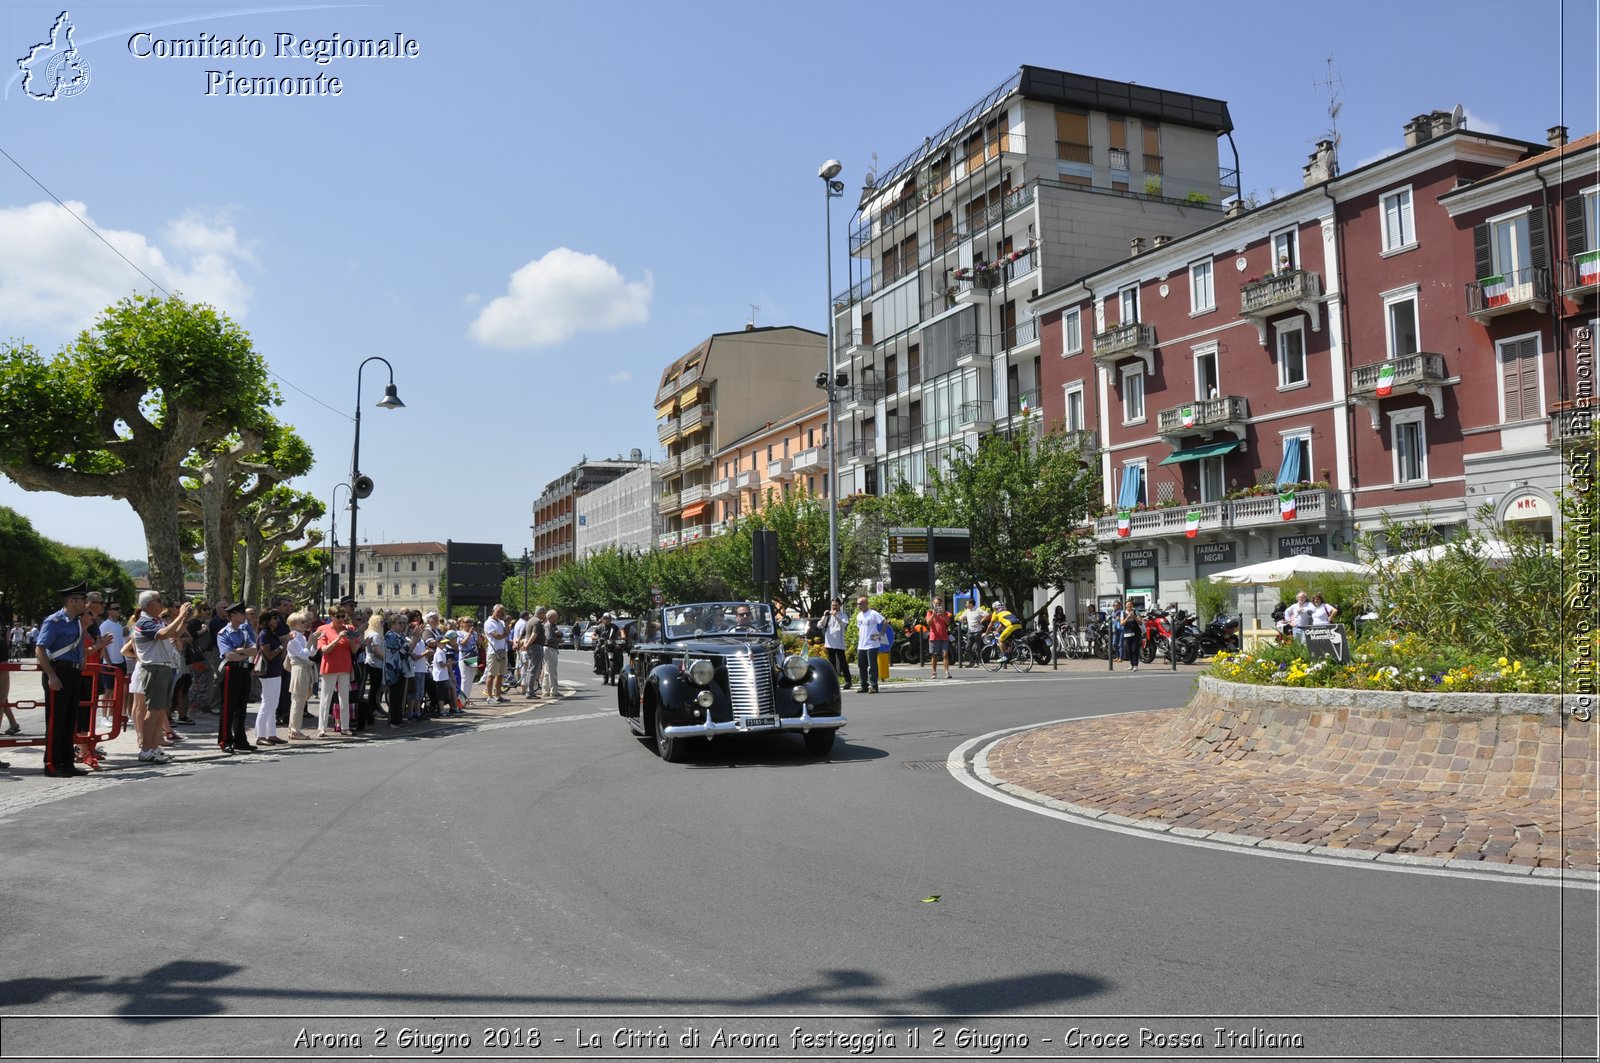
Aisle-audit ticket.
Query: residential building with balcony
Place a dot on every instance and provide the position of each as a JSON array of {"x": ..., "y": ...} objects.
[
  {"x": 1289, "y": 376},
  {"x": 775, "y": 460},
  {"x": 729, "y": 386},
  {"x": 395, "y": 576},
  {"x": 1046, "y": 177},
  {"x": 555, "y": 519},
  {"x": 620, "y": 515}
]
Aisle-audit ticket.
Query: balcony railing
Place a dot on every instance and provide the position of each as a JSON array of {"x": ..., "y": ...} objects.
[
  {"x": 693, "y": 417},
  {"x": 1082, "y": 441},
  {"x": 722, "y": 488},
  {"x": 1152, "y": 165},
  {"x": 948, "y": 240},
  {"x": 852, "y": 295},
  {"x": 1507, "y": 293},
  {"x": 667, "y": 429},
  {"x": 1571, "y": 427},
  {"x": 976, "y": 413},
  {"x": 1067, "y": 151},
  {"x": 669, "y": 502},
  {"x": 900, "y": 439},
  {"x": 812, "y": 458},
  {"x": 693, "y": 493},
  {"x": 1173, "y": 521},
  {"x": 1204, "y": 416},
  {"x": 1410, "y": 374},
  {"x": 857, "y": 451},
  {"x": 1008, "y": 205},
  {"x": 1024, "y": 264},
  {"x": 778, "y": 470},
  {"x": 1580, "y": 273},
  {"x": 1118, "y": 158},
  {"x": 1024, "y": 402},
  {"x": 979, "y": 286},
  {"x": 1295, "y": 289},
  {"x": 677, "y": 384},
  {"x": 693, "y": 533},
  {"x": 1119, "y": 342},
  {"x": 1023, "y": 332},
  {"x": 668, "y": 540},
  {"x": 668, "y": 466},
  {"x": 695, "y": 456},
  {"x": 972, "y": 347},
  {"x": 863, "y": 395},
  {"x": 744, "y": 481}
]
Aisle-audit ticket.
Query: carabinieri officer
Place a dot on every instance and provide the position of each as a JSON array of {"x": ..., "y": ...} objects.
[
  {"x": 236, "y": 645},
  {"x": 59, "y": 651}
]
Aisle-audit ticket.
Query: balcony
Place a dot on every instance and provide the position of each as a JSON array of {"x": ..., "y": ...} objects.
[
  {"x": 1025, "y": 262},
  {"x": 1508, "y": 293},
  {"x": 1580, "y": 274},
  {"x": 1204, "y": 416},
  {"x": 1571, "y": 427},
  {"x": 861, "y": 398},
  {"x": 1309, "y": 505},
  {"x": 1294, "y": 289},
  {"x": 1411, "y": 374},
  {"x": 1024, "y": 403},
  {"x": 668, "y": 540},
  {"x": 722, "y": 488},
  {"x": 677, "y": 384},
  {"x": 1023, "y": 334},
  {"x": 746, "y": 481},
  {"x": 694, "y": 417},
  {"x": 1121, "y": 342},
  {"x": 778, "y": 470},
  {"x": 976, "y": 287},
  {"x": 666, "y": 429},
  {"x": 695, "y": 456},
  {"x": 719, "y": 527},
  {"x": 667, "y": 466},
  {"x": 811, "y": 460},
  {"x": 693, "y": 493},
  {"x": 973, "y": 349},
  {"x": 669, "y": 503},
  {"x": 1083, "y": 442},
  {"x": 901, "y": 438},
  {"x": 858, "y": 452},
  {"x": 693, "y": 533},
  {"x": 979, "y": 220},
  {"x": 850, "y": 296},
  {"x": 975, "y": 416},
  {"x": 1170, "y": 521}
]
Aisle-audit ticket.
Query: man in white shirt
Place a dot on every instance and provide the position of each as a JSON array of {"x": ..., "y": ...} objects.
[
  {"x": 1299, "y": 616},
  {"x": 519, "y": 631},
  {"x": 494, "y": 629},
  {"x": 869, "y": 641},
  {"x": 112, "y": 626}
]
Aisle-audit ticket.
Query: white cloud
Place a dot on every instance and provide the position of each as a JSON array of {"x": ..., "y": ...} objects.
[
  {"x": 622, "y": 376},
  {"x": 554, "y": 298},
  {"x": 56, "y": 275}
]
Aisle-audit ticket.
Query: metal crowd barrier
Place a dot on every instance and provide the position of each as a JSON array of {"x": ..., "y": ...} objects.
[{"x": 103, "y": 705}]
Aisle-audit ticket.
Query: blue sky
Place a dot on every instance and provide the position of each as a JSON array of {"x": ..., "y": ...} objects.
[{"x": 550, "y": 202}]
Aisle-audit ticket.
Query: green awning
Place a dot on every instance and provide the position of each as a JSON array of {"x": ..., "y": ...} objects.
[{"x": 1209, "y": 450}]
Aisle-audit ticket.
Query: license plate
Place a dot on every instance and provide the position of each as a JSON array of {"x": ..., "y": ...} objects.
[{"x": 756, "y": 723}]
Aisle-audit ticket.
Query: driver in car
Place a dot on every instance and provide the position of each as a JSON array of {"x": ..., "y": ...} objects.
[{"x": 742, "y": 620}]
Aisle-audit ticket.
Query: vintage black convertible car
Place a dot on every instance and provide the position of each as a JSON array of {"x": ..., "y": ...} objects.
[{"x": 717, "y": 668}]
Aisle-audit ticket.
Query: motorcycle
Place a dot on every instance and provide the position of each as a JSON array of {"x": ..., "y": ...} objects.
[
  {"x": 1157, "y": 636},
  {"x": 1188, "y": 637},
  {"x": 1220, "y": 636},
  {"x": 1038, "y": 643}
]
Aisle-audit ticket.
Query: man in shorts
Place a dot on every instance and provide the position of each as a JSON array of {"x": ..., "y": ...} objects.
[
  {"x": 494, "y": 629},
  {"x": 939, "y": 621}
]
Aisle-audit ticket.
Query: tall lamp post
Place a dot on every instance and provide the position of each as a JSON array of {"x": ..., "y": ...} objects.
[
  {"x": 361, "y": 486},
  {"x": 525, "y": 562},
  {"x": 333, "y": 544},
  {"x": 828, "y": 379}
]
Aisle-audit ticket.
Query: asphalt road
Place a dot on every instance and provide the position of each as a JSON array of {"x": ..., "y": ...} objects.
[{"x": 549, "y": 872}]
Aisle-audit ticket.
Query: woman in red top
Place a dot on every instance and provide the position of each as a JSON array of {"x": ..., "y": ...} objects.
[
  {"x": 939, "y": 637},
  {"x": 337, "y": 640}
]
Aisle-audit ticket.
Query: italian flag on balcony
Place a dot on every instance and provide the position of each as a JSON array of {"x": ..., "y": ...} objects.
[
  {"x": 1286, "y": 505},
  {"x": 1385, "y": 381},
  {"x": 1589, "y": 267},
  {"x": 1192, "y": 525},
  {"x": 1496, "y": 292},
  {"x": 1188, "y": 416},
  {"x": 1124, "y": 523}
]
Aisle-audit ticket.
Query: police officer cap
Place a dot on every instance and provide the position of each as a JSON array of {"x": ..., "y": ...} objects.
[
  {"x": 235, "y": 607},
  {"x": 80, "y": 590},
  {"x": 349, "y": 600}
]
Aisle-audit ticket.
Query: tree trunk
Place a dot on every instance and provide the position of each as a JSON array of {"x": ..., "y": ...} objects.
[
  {"x": 252, "y": 590},
  {"x": 214, "y": 490},
  {"x": 159, "y": 513}
]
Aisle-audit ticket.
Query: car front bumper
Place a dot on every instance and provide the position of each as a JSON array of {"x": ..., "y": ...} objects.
[{"x": 711, "y": 728}]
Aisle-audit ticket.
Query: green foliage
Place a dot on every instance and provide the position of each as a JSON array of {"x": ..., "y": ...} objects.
[
  {"x": 33, "y": 568},
  {"x": 1210, "y": 598},
  {"x": 800, "y": 520},
  {"x": 894, "y": 606},
  {"x": 1152, "y": 186},
  {"x": 1408, "y": 662},
  {"x": 99, "y": 570},
  {"x": 1197, "y": 198}
]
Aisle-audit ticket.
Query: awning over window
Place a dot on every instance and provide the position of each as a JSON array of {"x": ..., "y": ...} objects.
[
  {"x": 1209, "y": 450},
  {"x": 690, "y": 512}
]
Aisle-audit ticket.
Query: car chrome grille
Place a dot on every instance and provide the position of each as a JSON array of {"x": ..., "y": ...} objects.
[{"x": 750, "y": 683}]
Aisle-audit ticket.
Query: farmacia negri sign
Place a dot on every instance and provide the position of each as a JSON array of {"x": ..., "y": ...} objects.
[{"x": 320, "y": 51}]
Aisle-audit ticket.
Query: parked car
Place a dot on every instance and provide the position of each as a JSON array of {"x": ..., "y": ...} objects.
[{"x": 717, "y": 669}]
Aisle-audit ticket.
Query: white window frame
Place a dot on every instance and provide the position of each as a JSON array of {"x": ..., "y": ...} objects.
[
  {"x": 1306, "y": 472},
  {"x": 1202, "y": 287},
  {"x": 1406, "y": 203},
  {"x": 1297, "y": 326},
  {"x": 1500, "y": 368},
  {"x": 1519, "y": 247},
  {"x": 1416, "y": 415},
  {"x": 1212, "y": 351},
  {"x": 1222, "y": 479},
  {"x": 1135, "y": 371},
  {"x": 1128, "y": 298},
  {"x": 1067, "y": 391},
  {"x": 1591, "y": 217},
  {"x": 1410, "y": 294},
  {"x": 1288, "y": 239},
  {"x": 1072, "y": 331}
]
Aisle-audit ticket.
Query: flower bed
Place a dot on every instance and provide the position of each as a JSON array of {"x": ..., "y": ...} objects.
[{"x": 1409, "y": 662}]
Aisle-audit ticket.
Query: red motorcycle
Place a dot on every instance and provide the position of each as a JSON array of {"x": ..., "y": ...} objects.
[{"x": 1157, "y": 636}]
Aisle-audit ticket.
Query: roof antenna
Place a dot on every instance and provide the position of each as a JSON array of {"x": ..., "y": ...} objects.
[
  {"x": 1333, "y": 83},
  {"x": 753, "y": 308}
]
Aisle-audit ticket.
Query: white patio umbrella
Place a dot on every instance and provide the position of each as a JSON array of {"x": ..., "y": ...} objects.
[
  {"x": 1496, "y": 552},
  {"x": 1283, "y": 570}
]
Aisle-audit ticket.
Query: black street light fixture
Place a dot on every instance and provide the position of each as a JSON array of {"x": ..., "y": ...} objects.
[
  {"x": 333, "y": 549},
  {"x": 361, "y": 486},
  {"x": 828, "y": 380}
]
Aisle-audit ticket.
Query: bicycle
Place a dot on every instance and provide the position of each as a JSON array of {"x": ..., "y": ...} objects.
[{"x": 1020, "y": 657}]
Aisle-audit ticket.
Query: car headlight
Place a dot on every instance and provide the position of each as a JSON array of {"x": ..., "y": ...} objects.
[
  {"x": 704, "y": 699},
  {"x": 796, "y": 667},
  {"x": 801, "y": 694},
  {"x": 701, "y": 673}
]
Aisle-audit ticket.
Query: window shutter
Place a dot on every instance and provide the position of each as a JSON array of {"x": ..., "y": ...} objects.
[
  {"x": 1528, "y": 366},
  {"x": 1576, "y": 232},
  {"x": 1482, "y": 256},
  {"x": 1538, "y": 240}
]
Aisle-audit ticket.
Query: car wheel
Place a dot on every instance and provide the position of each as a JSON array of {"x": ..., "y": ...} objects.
[
  {"x": 819, "y": 743},
  {"x": 668, "y": 748},
  {"x": 989, "y": 657}
]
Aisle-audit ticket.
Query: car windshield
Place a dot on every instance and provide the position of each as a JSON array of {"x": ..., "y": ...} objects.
[{"x": 717, "y": 618}]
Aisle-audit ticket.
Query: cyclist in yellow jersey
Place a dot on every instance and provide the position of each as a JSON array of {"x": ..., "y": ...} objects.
[{"x": 1005, "y": 624}]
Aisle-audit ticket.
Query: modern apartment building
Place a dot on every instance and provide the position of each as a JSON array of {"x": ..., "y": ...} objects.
[
  {"x": 1046, "y": 177},
  {"x": 554, "y": 512},
  {"x": 728, "y": 386},
  {"x": 620, "y": 515},
  {"x": 1381, "y": 344}
]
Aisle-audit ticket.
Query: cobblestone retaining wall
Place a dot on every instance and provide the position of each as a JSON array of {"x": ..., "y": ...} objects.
[{"x": 1519, "y": 746}]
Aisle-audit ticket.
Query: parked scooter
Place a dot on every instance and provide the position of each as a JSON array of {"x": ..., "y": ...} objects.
[
  {"x": 1220, "y": 636},
  {"x": 1039, "y": 643}
]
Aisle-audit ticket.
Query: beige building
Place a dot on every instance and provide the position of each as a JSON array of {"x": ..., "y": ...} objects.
[
  {"x": 729, "y": 386},
  {"x": 392, "y": 576},
  {"x": 775, "y": 460}
]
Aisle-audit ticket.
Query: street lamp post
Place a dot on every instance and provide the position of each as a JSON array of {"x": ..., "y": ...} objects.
[
  {"x": 333, "y": 545},
  {"x": 361, "y": 486},
  {"x": 828, "y": 380},
  {"x": 524, "y": 579}
]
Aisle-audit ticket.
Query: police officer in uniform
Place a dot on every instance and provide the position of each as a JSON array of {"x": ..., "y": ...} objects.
[
  {"x": 59, "y": 651},
  {"x": 236, "y": 647}
]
